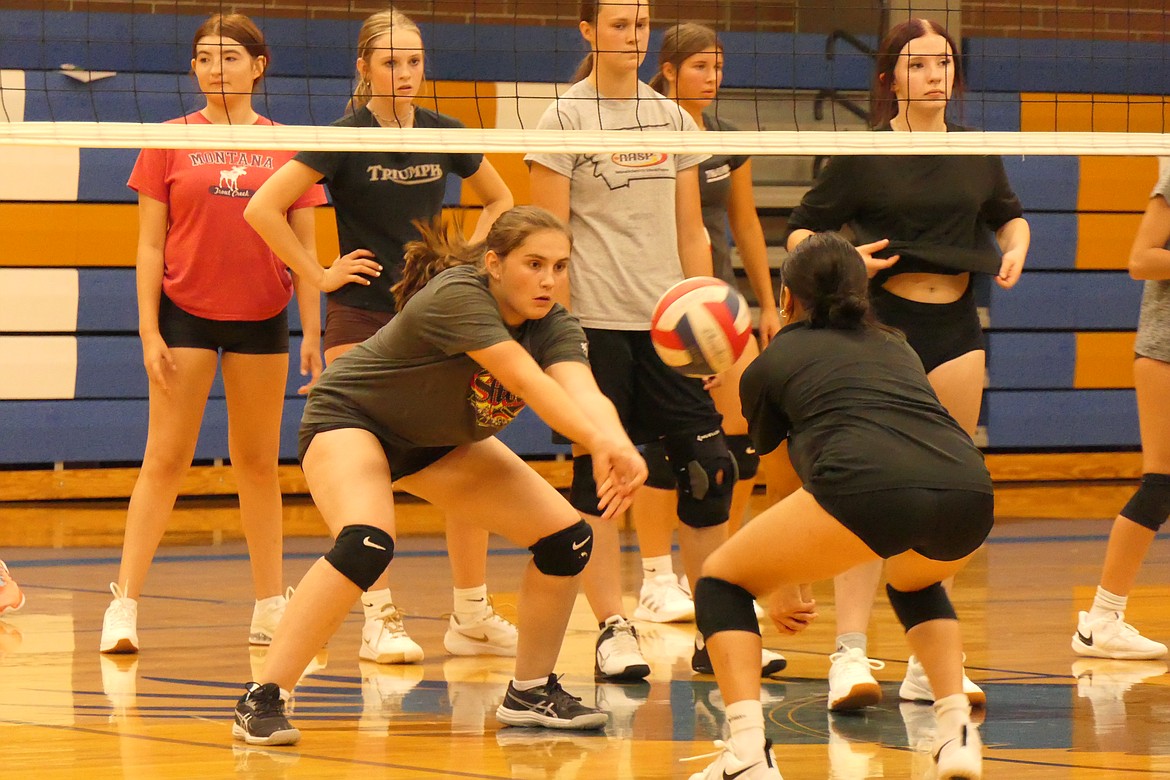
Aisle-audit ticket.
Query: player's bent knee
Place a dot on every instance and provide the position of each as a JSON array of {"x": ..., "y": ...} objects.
[
  {"x": 706, "y": 473},
  {"x": 920, "y": 606},
  {"x": 747, "y": 460},
  {"x": 564, "y": 553},
  {"x": 583, "y": 489},
  {"x": 361, "y": 553},
  {"x": 660, "y": 476},
  {"x": 722, "y": 606},
  {"x": 1150, "y": 505}
]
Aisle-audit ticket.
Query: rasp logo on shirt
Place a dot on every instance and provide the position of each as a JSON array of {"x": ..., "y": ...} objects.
[{"x": 494, "y": 405}]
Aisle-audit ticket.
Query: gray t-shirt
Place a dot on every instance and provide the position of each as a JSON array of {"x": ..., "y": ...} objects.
[
  {"x": 621, "y": 206},
  {"x": 412, "y": 383},
  {"x": 1153, "y": 336}
]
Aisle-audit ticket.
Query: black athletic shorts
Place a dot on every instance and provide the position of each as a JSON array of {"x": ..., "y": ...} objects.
[
  {"x": 351, "y": 325},
  {"x": 943, "y": 525},
  {"x": 403, "y": 461},
  {"x": 652, "y": 399},
  {"x": 938, "y": 332},
  {"x": 181, "y": 329}
]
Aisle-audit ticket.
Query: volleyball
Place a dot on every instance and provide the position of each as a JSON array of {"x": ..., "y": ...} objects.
[{"x": 701, "y": 326}]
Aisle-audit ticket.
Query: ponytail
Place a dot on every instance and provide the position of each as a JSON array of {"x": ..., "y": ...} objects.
[
  {"x": 583, "y": 70},
  {"x": 827, "y": 275},
  {"x": 438, "y": 248}
]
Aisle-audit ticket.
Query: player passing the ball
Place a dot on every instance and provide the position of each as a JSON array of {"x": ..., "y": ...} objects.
[{"x": 887, "y": 473}]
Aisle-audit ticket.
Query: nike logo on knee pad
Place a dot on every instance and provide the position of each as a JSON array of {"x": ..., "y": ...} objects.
[
  {"x": 582, "y": 543},
  {"x": 368, "y": 543}
]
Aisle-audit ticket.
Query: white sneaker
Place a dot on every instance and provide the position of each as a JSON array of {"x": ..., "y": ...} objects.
[
  {"x": 618, "y": 656},
  {"x": 916, "y": 686},
  {"x": 960, "y": 756},
  {"x": 851, "y": 684},
  {"x": 662, "y": 600},
  {"x": 265, "y": 619},
  {"x": 385, "y": 641},
  {"x": 120, "y": 625},
  {"x": 1112, "y": 637},
  {"x": 491, "y": 634},
  {"x": 729, "y": 765}
]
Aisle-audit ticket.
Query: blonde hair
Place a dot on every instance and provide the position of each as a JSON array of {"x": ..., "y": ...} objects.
[
  {"x": 374, "y": 27},
  {"x": 443, "y": 246}
]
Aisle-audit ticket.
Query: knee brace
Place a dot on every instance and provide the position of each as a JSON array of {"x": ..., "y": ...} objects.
[
  {"x": 361, "y": 553},
  {"x": 706, "y": 473},
  {"x": 661, "y": 476},
  {"x": 918, "y": 606},
  {"x": 721, "y": 606},
  {"x": 747, "y": 460},
  {"x": 1150, "y": 505},
  {"x": 583, "y": 489},
  {"x": 565, "y": 553}
]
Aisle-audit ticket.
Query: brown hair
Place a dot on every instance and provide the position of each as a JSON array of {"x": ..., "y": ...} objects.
[
  {"x": 239, "y": 28},
  {"x": 680, "y": 43},
  {"x": 827, "y": 275},
  {"x": 374, "y": 27},
  {"x": 443, "y": 246},
  {"x": 883, "y": 104},
  {"x": 587, "y": 12}
]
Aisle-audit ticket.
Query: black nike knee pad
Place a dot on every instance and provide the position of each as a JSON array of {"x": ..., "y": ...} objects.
[
  {"x": 1150, "y": 505},
  {"x": 919, "y": 606},
  {"x": 564, "y": 553},
  {"x": 706, "y": 473},
  {"x": 660, "y": 476},
  {"x": 747, "y": 460},
  {"x": 361, "y": 553},
  {"x": 722, "y": 606}
]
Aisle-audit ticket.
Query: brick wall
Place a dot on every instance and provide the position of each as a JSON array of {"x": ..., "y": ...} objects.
[{"x": 1138, "y": 20}]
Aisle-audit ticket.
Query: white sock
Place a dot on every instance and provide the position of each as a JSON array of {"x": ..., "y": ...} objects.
[
  {"x": 852, "y": 639},
  {"x": 652, "y": 567},
  {"x": 271, "y": 601},
  {"x": 470, "y": 603},
  {"x": 374, "y": 600},
  {"x": 952, "y": 712},
  {"x": 528, "y": 685},
  {"x": 1105, "y": 602},
  {"x": 745, "y": 719}
]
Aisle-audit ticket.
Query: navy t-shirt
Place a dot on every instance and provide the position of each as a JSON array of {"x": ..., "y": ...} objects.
[{"x": 379, "y": 195}]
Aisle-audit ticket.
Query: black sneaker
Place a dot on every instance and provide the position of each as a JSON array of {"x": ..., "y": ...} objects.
[
  {"x": 771, "y": 662},
  {"x": 260, "y": 717},
  {"x": 550, "y": 706}
]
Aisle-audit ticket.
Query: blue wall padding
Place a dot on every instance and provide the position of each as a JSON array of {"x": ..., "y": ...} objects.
[
  {"x": 1037, "y": 419},
  {"x": 1031, "y": 360},
  {"x": 1054, "y": 241},
  {"x": 1045, "y": 183},
  {"x": 494, "y": 52},
  {"x": 1075, "y": 300}
]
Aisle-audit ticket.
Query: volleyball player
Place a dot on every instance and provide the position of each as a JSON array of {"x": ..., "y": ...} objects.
[
  {"x": 690, "y": 71},
  {"x": 417, "y": 407},
  {"x": 1102, "y": 631},
  {"x": 207, "y": 284},
  {"x": 887, "y": 473},
  {"x": 378, "y": 196},
  {"x": 638, "y": 228},
  {"x": 936, "y": 215}
]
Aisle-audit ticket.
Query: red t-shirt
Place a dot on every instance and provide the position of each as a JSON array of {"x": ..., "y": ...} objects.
[{"x": 214, "y": 264}]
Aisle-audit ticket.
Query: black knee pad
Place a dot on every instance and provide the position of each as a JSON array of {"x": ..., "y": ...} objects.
[
  {"x": 565, "y": 553},
  {"x": 747, "y": 460},
  {"x": 361, "y": 553},
  {"x": 661, "y": 476},
  {"x": 706, "y": 473},
  {"x": 583, "y": 489},
  {"x": 918, "y": 606},
  {"x": 721, "y": 606},
  {"x": 1150, "y": 505}
]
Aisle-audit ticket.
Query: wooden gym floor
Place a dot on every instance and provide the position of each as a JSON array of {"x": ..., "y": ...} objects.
[{"x": 66, "y": 711}]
